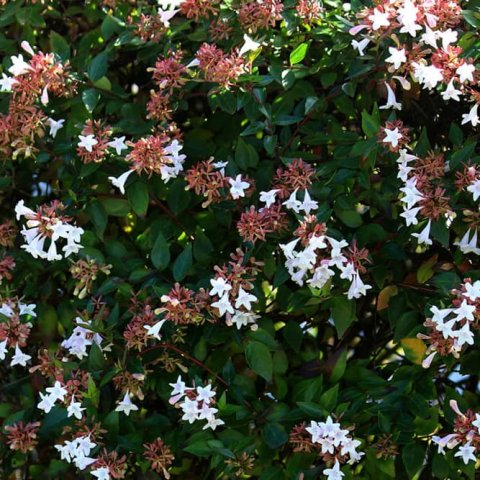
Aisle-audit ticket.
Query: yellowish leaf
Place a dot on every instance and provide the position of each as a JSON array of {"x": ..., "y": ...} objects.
[
  {"x": 414, "y": 349},
  {"x": 384, "y": 296}
]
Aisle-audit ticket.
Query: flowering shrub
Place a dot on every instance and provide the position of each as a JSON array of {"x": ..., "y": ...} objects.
[{"x": 239, "y": 239}]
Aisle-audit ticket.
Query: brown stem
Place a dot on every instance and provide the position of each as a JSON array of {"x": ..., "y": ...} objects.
[
  {"x": 200, "y": 364},
  {"x": 172, "y": 217},
  {"x": 188, "y": 357}
]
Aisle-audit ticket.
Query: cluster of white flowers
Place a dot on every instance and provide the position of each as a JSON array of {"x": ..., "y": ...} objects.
[
  {"x": 302, "y": 264},
  {"x": 399, "y": 17},
  {"x": 307, "y": 205},
  {"x": 411, "y": 196},
  {"x": 334, "y": 440},
  {"x": 454, "y": 324},
  {"x": 89, "y": 141},
  {"x": 195, "y": 403},
  {"x": 10, "y": 310},
  {"x": 58, "y": 393},
  {"x": 172, "y": 167},
  {"x": 41, "y": 227},
  {"x": 238, "y": 310},
  {"x": 78, "y": 452},
  {"x": 470, "y": 434},
  {"x": 81, "y": 338}
]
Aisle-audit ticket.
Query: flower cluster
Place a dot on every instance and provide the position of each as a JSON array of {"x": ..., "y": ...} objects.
[
  {"x": 58, "y": 393},
  {"x": 81, "y": 338},
  {"x": 31, "y": 81},
  {"x": 219, "y": 67},
  {"x": 232, "y": 288},
  {"x": 313, "y": 263},
  {"x": 94, "y": 142},
  {"x": 22, "y": 436},
  {"x": 335, "y": 445},
  {"x": 183, "y": 306},
  {"x": 422, "y": 193},
  {"x": 208, "y": 179},
  {"x": 86, "y": 272},
  {"x": 155, "y": 154},
  {"x": 254, "y": 15},
  {"x": 159, "y": 455},
  {"x": 15, "y": 326},
  {"x": 48, "y": 224},
  {"x": 196, "y": 403},
  {"x": 421, "y": 40},
  {"x": 450, "y": 329},
  {"x": 466, "y": 435},
  {"x": 78, "y": 451}
]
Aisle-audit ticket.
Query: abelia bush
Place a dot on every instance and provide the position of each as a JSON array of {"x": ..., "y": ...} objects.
[{"x": 239, "y": 239}]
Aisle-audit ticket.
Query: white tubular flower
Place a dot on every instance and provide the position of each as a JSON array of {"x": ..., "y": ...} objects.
[{"x": 120, "y": 181}]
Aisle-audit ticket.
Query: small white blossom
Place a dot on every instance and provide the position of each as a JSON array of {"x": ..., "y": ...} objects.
[
  {"x": 268, "y": 197},
  {"x": 379, "y": 19},
  {"x": 237, "y": 187},
  {"x": 397, "y": 57},
  {"x": 19, "y": 358},
  {"x": 424, "y": 235},
  {"x": 467, "y": 453},
  {"x": 19, "y": 66},
  {"x": 75, "y": 409},
  {"x": 120, "y": 181},
  {"x": 244, "y": 299},
  {"x": 87, "y": 142},
  {"x": 118, "y": 143},
  {"x": 6, "y": 83},
  {"x": 126, "y": 406},
  {"x": 154, "y": 330},
  {"x": 465, "y": 72},
  {"x": 220, "y": 286},
  {"x": 250, "y": 45},
  {"x": 392, "y": 136},
  {"x": 360, "y": 45},
  {"x": 57, "y": 392},
  {"x": 471, "y": 116}
]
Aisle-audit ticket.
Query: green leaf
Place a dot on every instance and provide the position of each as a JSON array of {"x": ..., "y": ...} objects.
[
  {"x": 137, "y": 194},
  {"x": 425, "y": 271},
  {"x": 99, "y": 217},
  {"x": 350, "y": 218},
  {"x": 90, "y": 99},
  {"x": 328, "y": 399},
  {"x": 275, "y": 435},
  {"x": 98, "y": 67},
  {"x": 311, "y": 409},
  {"x": 245, "y": 155},
  {"x": 293, "y": 334},
  {"x": 160, "y": 254},
  {"x": 96, "y": 361},
  {"x": 183, "y": 263},
  {"x": 117, "y": 207},
  {"x": 343, "y": 313},
  {"x": 370, "y": 124},
  {"x": 59, "y": 45},
  {"x": 259, "y": 359},
  {"x": 413, "y": 455},
  {"x": 472, "y": 18},
  {"x": 202, "y": 246},
  {"x": 299, "y": 53}
]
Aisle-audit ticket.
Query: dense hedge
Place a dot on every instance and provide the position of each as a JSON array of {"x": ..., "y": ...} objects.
[{"x": 239, "y": 239}]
